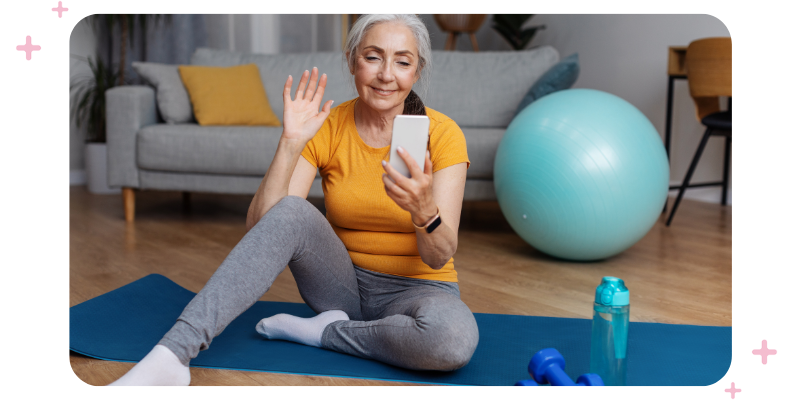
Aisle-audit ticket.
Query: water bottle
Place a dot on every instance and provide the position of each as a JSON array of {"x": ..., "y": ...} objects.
[{"x": 608, "y": 356}]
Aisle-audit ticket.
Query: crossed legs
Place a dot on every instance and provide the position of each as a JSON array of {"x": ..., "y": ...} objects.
[{"x": 425, "y": 329}]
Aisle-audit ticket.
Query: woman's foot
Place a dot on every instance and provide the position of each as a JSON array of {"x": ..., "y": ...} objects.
[
  {"x": 307, "y": 331},
  {"x": 160, "y": 367}
]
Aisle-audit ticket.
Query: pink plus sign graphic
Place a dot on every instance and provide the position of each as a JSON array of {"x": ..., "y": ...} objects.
[
  {"x": 60, "y": 9},
  {"x": 28, "y": 47},
  {"x": 764, "y": 352},
  {"x": 733, "y": 390}
]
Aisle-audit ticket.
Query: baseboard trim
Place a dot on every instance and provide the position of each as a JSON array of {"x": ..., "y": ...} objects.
[
  {"x": 704, "y": 194},
  {"x": 77, "y": 177}
]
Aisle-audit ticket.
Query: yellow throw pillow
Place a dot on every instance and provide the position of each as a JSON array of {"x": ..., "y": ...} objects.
[{"x": 228, "y": 95}]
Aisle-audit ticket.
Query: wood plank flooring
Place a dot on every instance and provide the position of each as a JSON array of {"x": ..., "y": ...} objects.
[{"x": 677, "y": 275}]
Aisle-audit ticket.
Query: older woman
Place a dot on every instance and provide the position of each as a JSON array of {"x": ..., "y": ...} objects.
[{"x": 379, "y": 271}]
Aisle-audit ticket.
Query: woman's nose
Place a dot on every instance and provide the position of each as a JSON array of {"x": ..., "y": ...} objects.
[{"x": 386, "y": 73}]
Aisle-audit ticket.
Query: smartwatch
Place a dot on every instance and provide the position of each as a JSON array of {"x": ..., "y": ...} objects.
[{"x": 432, "y": 223}]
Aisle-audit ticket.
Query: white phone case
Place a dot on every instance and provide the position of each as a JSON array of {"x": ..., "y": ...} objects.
[{"x": 411, "y": 133}]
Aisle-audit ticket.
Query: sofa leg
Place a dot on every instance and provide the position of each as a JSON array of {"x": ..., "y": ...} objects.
[{"x": 129, "y": 203}]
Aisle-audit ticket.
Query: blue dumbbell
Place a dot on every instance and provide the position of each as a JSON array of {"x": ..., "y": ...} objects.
[
  {"x": 527, "y": 382},
  {"x": 547, "y": 366}
]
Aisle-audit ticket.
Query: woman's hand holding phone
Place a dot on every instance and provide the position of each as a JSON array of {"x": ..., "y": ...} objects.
[
  {"x": 414, "y": 194},
  {"x": 302, "y": 117}
]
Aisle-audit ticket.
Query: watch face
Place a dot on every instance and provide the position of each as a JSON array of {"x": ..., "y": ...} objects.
[{"x": 433, "y": 224}]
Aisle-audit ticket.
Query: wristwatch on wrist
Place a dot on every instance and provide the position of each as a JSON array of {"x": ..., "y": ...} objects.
[{"x": 431, "y": 224}]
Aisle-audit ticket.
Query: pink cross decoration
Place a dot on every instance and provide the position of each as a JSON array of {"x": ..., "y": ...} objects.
[
  {"x": 733, "y": 390},
  {"x": 60, "y": 9},
  {"x": 28, "y": 47},
  {"x": 764, "y": 352}
]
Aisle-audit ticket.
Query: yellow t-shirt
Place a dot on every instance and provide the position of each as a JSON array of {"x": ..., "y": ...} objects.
[{"x": 377, "y": 233}]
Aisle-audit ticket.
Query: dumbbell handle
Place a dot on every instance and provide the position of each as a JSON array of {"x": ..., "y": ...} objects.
[
  {"x": 547, "y": 366},
  {"x": 557, "y": 377}
]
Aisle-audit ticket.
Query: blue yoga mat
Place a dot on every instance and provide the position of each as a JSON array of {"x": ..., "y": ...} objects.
[{"x": 125, "y": 324}]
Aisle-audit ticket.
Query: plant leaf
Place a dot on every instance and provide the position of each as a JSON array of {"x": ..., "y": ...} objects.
[
  {"x": 527, "y": 35},
  {"x": 506, "y": 33},
  {"x": 509, "y": 26}
]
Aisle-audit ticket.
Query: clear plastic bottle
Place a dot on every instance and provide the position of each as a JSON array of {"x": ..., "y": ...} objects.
[{"x": 608, "y": 356}]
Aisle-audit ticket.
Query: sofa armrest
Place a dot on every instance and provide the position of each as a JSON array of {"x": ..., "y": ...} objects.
[{"x": 128, "y": 109}]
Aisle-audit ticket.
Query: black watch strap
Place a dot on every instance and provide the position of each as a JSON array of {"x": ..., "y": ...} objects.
[{"x": 436, "y": 222}]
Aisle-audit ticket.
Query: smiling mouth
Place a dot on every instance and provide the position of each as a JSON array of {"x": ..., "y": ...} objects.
[{"x": 382, "y": 92}]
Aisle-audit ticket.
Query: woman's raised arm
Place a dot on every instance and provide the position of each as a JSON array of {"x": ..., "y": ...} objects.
[{"x": 302, "y": 119}]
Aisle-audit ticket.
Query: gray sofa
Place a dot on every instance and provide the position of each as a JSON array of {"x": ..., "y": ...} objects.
[{"x": 479, "y": 91}]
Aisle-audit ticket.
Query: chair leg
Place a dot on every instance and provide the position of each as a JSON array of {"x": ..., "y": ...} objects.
[
  {"x": 129, "y": 203},
  {"x": 451, "y": 41},
  {"x": 689, "y": 173},
  {"x": 474, "y": 42},
  {"x": 726, "y": 171}
]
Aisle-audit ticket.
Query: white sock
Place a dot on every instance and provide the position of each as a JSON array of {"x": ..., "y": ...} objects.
[
  {"x": 307, "y": 331},
  {"x": 160, "y": 367}
]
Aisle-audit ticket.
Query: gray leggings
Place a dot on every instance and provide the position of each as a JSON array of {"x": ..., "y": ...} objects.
[{"x": 412, "y": 323}]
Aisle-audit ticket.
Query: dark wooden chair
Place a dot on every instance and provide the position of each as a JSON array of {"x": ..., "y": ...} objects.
[{"x": 708, "y": 70}]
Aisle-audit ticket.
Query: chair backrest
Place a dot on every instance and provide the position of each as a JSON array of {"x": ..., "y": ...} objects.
[
  {"x": 468, "y": 23},
  {"x": 708, "y": 69}
]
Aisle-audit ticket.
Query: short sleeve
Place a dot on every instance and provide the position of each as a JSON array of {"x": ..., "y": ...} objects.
[
  {"x": 448, "y": 145},
  {"x": 317, "y": 150}
]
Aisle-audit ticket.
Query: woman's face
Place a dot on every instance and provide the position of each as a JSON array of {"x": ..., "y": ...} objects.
[{"x": 386, "y": 66}]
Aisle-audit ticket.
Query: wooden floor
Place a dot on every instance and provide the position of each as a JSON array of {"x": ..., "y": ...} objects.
[{"x": 677, "y": 275}]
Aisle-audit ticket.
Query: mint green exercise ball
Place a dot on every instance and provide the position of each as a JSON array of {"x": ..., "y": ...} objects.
[{"x": 581, "y": 174}]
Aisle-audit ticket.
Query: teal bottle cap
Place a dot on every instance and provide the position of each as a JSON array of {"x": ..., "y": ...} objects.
[{"x": 612, "y": 292}]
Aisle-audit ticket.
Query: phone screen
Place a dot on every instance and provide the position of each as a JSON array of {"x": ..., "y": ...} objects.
[{"x": 411, "y": 133}]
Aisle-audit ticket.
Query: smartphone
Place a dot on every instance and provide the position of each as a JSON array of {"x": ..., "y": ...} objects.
[{"x": 411, "y": 133}]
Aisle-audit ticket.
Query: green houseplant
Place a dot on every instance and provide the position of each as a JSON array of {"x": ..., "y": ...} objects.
[
  {"x": 510, "y": 27},
  {"x": 89, "y": 105}
]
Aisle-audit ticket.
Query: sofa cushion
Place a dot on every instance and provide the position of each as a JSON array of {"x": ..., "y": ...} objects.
[
  {"x": 233, "y": 150},
  {"x": 275, "y": 68},
  {"x": 244, "y": 150},
  {"x": 474, "y": 89},
  {"x": 172, "y": 97},
  {"x": 560, "y": 77},
  {"x": 228, "y": 95},
  {"x": 484, "y": 89}
]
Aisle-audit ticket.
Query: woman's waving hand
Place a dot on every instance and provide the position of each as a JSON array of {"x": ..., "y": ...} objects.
[{"x": 302, "y": 117}]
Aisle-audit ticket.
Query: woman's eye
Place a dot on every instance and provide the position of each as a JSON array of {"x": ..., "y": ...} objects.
[
  {"x": 371, "y": 58},
  {"x": 404, "y": 63}
]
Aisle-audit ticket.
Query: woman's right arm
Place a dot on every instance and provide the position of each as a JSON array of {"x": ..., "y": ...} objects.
[{"x": 301, "y": 121}]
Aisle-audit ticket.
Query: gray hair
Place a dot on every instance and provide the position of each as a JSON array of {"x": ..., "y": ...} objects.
[{"x": 418, "y": 29}]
